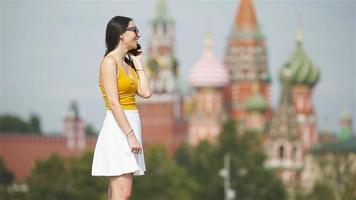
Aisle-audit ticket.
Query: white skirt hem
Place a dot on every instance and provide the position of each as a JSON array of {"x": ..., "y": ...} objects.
[{"x": 112, "y": 154}]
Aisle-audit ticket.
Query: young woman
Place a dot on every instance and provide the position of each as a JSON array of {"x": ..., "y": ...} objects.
[{"x": 119, "y": 151}]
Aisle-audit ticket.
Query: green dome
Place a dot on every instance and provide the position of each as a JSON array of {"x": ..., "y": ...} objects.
[
  {"x": 299, "y": 69},
  {"x": 256, "y": 102}
]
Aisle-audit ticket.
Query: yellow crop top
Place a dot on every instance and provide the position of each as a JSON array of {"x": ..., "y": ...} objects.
[{"x": 126, "y": 86}]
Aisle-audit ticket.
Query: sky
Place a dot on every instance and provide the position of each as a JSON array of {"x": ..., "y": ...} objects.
[{"x": 51, "y": 50}]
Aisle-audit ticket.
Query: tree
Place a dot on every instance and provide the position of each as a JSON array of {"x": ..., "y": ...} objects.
[
  {"x": 6, "y": 178},
  {"x": 85, "y": 186},
  {"x": 34, "y": 124},
  {"x": 249, "y": 178},
  {"x": 338, "y": 176},
  {"x": 49, "y": 180},
  {"x": 163, "y": 178},
  {"x": 58, "y": 179},
  {"x": 89, "y": 130},
  {"x": 321, "y": 191},
  {"x": 12, "y": 124}
]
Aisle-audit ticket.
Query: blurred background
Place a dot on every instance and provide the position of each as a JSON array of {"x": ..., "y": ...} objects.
[{"x": 251, "y": 99}]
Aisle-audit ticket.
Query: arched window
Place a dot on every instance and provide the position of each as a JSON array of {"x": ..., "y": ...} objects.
[{"x": 281, "y": 152}]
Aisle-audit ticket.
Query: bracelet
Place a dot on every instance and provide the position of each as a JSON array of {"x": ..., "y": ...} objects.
[{"x": 127, "y": 134}]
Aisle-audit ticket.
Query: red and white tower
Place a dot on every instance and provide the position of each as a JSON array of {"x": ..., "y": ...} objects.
[
  {"x": 161, "y": 114},
  {"x": 74, "y": 128},
  {"x": 208, "y": 77},
  {"x": 246, "y": 59}
]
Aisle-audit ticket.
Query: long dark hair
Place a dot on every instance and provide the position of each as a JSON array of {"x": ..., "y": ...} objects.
[{"x": 115, "y": 27}]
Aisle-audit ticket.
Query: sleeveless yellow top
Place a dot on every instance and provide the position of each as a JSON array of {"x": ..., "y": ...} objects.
[{"x": 126, "y": 87}]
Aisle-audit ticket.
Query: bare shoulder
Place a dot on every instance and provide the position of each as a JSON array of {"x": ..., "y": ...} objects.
[{"x": 108, "y": 64}]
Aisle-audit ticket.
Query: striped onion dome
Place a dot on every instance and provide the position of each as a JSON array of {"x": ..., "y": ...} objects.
[
  {"x": 208, "y": 71},
  {"x": 299, "y": 69}
]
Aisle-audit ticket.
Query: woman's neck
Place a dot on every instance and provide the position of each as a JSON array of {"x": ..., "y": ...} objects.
[{"x": 119, "y": 53}]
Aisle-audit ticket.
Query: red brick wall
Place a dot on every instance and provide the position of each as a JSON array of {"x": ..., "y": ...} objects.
[
  {"x": 159, "y": 125},
  {"x": 20, "y": 152}
]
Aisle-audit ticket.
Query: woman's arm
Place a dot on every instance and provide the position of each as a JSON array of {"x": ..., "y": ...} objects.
[
  {"x": 143, "y": 88},
  {"x": 109, "y": 74}
]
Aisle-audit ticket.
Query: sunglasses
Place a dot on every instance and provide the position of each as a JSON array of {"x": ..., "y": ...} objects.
[{"x": 133, "y": 29}]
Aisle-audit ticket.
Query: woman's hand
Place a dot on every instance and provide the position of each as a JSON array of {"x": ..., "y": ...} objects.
[
  {"x": 137, "y": 60},
  {"x": 134, "y": 144}
]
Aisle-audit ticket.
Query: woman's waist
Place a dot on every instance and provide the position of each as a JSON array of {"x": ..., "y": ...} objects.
[{"x": 128, "y": 112}]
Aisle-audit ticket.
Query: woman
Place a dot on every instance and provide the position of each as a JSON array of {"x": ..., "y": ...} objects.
[{"x": 119, "y": 151}]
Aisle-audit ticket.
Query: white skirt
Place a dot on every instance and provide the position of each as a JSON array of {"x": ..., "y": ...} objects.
[{"x": 113, "y": 155}]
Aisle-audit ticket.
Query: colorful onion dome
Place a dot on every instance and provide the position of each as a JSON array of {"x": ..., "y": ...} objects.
[
  {"x": 299, "y": 69},
  {"x": 255, "y": 102},
  {"x": 208, "y": 71}
]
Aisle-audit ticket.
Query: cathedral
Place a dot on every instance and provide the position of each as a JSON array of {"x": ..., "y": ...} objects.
[{"x": 237, "y": 87}]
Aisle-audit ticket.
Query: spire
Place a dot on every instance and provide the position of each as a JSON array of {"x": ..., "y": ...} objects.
[
  {"x": 246, "y": 19},
  {"x": 326, "y": 125},
  {"x": 299, "y": 35},
  {"x": 161, "y": 15},
  {"x": 284, "y": 122},
  {"x": 208, "y": 46},
  {"x": 73, "y": 110},
  {"x": 286, "y": 96},
  {"x": 161, "y": 9}
]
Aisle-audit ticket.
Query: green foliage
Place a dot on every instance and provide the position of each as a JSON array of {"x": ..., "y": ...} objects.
[
  {"x": 249, "y": 178},
  {"x": 34, "y": 124},
  {"x": 89, "y": 130},
  {"x": 13, "y": 124},
  {"x": 6, "y": 176},
  {"x": 55, "y": 178},
  {"x": 85, "y": 186},
  {"x": 163, "y": 178},
  {"x": 321, "y": 191},
  {"x": 340, "y": 181},
  {"x": 70, "y": 179},
  {"x": 48, "y": 180}
]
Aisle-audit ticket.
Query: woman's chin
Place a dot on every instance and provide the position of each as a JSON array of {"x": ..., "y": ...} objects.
[{"x": 133, "y": 46}]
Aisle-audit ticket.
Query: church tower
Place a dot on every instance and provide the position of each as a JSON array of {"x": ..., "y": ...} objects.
[
  {"x": 255, "y": 107},
  {"x": 206, "y": 114},
  {"x": 304, "y": 75},
  {"x": 74, "y": 128},
  {"x": 161, "y": 63},
  {"x": 283, "y": 144},
  {"x": 161, "y": 114},
  {"x": 246, "y": 60}
]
